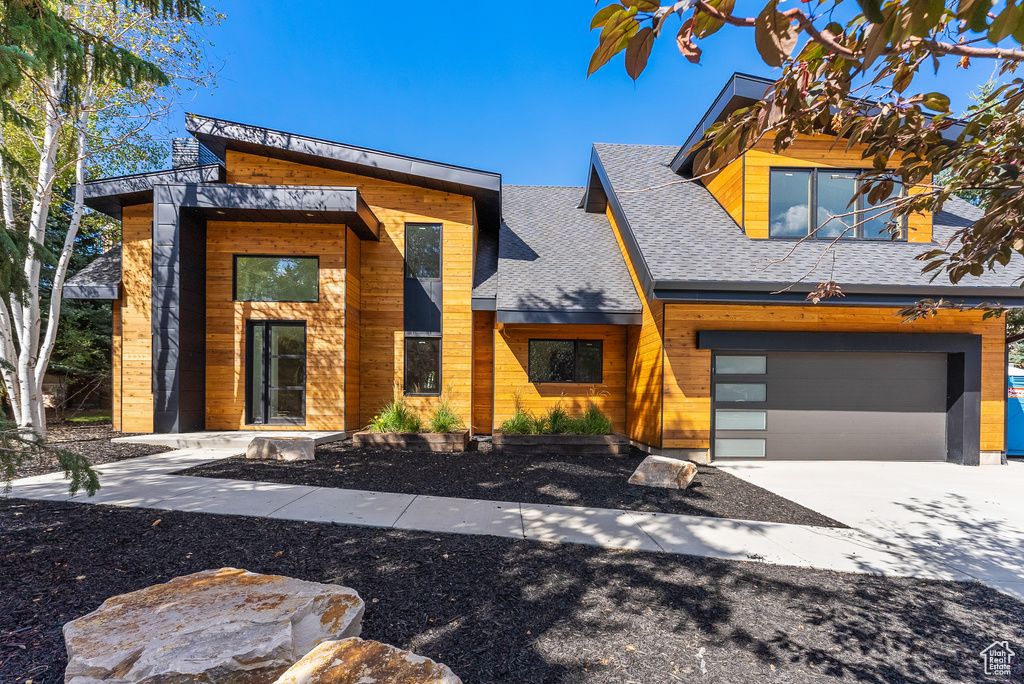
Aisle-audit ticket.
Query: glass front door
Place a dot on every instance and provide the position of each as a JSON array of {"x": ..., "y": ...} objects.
[{"x": 275, "y": 372}]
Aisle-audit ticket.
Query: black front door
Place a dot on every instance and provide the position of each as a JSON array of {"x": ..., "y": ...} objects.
[{"x": 275, "y": 371}]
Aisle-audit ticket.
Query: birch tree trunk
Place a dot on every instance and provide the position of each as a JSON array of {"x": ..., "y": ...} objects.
[{"x": 24, "y": 349}]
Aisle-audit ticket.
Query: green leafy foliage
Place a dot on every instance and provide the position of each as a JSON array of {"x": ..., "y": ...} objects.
[
  {"x": 396, "y": 416},
  {"x": 445, "y": 418},
  {"x": 855, "y": 81},
  {"x": 18, "y": 447},
  {"x": 557, "y": 421}
]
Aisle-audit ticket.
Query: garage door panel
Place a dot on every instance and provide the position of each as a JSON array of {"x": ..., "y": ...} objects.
[{"x": 842, "y": 406}]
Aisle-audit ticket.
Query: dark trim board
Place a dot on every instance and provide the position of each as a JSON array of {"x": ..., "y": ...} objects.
[
  {"x": 219, "y": 136},
  {"x": 568, "y": 317},
  {"x": 110, "y": 195},
  {"x": 876, "y": 299},
  {"x": 963, "y": 382},
  {"x": 71, "y": 291}
]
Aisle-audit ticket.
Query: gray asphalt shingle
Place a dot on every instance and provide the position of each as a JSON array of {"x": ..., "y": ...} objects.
[
  {"x": 686, "y": 235},
  {"x": 553, "y": 256},
  {"x": 485, "y": 275},
  {"x": 103, "y": 270}
]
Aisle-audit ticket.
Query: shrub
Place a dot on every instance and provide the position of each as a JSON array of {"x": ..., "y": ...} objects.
[
  {"x": 593, "y": 421},
  {"x": 558, "y": 421},
  {"x": 396, "y": 416},
  {"x": 446, "y": 418},
  {"x": 521, "y": 422}
]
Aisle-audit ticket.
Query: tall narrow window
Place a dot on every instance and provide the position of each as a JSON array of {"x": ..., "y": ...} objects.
[
  {"x": 423, "y": 307},
  {"x": 789, "y": 202}
]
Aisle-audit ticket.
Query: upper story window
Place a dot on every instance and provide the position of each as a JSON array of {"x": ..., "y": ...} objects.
[
  {"x": 276, "y": 278},
  {"x": 802, "y": 200},
  {"x": 423, "y": 251}
]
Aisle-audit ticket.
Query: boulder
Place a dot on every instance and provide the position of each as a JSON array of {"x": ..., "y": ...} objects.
[
  {"x": 660, "y": 471},
  {"x": 226, "y": 626},
  {"x": 354, "y": 661},
  {"x": 282, "y": 448}
]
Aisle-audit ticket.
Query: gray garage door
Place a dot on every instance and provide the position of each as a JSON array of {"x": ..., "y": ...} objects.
[{"x": 830, "y": 406}]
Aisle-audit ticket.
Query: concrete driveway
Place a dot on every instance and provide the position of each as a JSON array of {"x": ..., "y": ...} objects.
[{"x": 967, "y": 519}]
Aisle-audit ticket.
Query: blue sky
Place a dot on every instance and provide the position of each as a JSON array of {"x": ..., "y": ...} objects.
[{"x": 502, "y": 87}]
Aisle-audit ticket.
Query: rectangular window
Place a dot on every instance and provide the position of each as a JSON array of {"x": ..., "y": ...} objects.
[
  {"x": 276, "y": 278},
  {"x": 423, "y": 251},
  {"x": 739, "y": 448},
  {"x": 423, "y": 366},
  {"x": 740, "y": 420},
  {"x": 741, "y": 365},
  {"x": 566, "y": 361},
  {"x": 803, "y": 202},
  {"x": 740, "y": 392}
]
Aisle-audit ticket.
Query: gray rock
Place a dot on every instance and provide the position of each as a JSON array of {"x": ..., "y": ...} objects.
[
  {"x": 354, "y": 661},
  {"x": 226, "y": 626},
  {"x": 661, "y": 471},
  {"x": 282, "y": 448}
]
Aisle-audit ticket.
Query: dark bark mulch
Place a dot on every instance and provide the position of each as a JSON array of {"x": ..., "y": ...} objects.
[
  {"x": 595, "y": 481},
  {"x": 91, "y": 441},
  {"x": 505, "y": 610}
]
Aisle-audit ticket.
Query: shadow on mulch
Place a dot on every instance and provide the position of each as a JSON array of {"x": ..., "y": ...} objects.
[
  {"x": 595, "y": 481},
  {"x": 91, "y": 440},
  {"x": 504, "y": 610}
]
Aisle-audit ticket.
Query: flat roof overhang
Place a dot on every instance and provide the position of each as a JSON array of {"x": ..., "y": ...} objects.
[
  {"x": 219, "y": 136},
  {"x": 283, "y": 204},
  {"x": 110, "y": 195}
]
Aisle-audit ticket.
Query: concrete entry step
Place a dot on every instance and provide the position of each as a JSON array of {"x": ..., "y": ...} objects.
[{"x": 226, "y": 439}]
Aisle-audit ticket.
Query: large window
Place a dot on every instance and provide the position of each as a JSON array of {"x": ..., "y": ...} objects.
[
  {"x": 802, "y": 201},
  {"x": 423, "y": 365},
  {"x": 277, "y": 278},
  {"x": 566, "y": 360}
]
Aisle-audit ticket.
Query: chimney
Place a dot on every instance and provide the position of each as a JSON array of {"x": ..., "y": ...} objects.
[{"x": 187, "y": 152}]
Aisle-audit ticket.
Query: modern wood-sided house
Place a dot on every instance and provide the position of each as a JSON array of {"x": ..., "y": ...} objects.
[{"x": 272, "y": 280}]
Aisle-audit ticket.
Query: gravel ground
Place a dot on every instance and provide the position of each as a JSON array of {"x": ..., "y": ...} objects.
[
  {"x": 91, "y": 441},
  {"x": 596, "y": 481},
  {"x": 504, "y": 610}
]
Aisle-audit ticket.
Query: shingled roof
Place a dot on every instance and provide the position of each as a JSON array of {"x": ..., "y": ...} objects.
[
  {"x": 689, "y": 242},
  {"x": 557, "y": 263},
  {"x": 485, "y": 275},
  {"x": 101, "y": 279}
]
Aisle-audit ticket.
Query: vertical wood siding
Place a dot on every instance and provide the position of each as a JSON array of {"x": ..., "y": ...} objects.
[
  {"x": 136, "y": 319},
  {"x": 352, "y": 323},
  {"x": 511, "y": 361},
  {"x": 225, "y": 320},
  {"x": 115, "y": 364},
  {"x": 807, "y": 151},
  {"x": 644, "y": 361},
  {"x": 382, "y": 334},
  {"x": 483, "y": 371},
  {"x": 688, "y": 369}
]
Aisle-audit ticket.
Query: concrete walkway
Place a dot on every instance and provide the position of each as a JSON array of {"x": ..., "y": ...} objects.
[{"x": 148, "y": 482}]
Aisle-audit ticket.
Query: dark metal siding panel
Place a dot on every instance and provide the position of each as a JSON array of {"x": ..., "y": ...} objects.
[
  {"x": 422, "y": 305},
  {"x": 192, "y": 324}
]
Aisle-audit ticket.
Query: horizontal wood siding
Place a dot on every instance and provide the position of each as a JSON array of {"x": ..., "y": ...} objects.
[
  {"x": 511, "y": 361},
  {"x": 352, "y": 322},
  {"x": 226, "y": 320},
  {"x": 382, "y": 333},
  {"x": 727, "y": 187},
  {"x": 807, "y": 151},
  {"x": 688, "y": 369},
  {"x": 136, "y": 318},
  {"x": 483, "y": 371},
  {"x": 643, "y": 361}
]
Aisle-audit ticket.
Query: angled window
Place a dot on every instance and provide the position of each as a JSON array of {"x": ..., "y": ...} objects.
[
  {"x": 260, "y": 278},
  {"x": 817, "y": 202},
  {"x": 566, "y": 361}
]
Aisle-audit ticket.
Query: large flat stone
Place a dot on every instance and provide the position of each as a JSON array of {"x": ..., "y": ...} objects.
[
  {"x": 661, "y": 471},
  {"x": 226, "y": 626},
  {"x": 282, "y": 448},
  {"x": 354, "y": 661}
]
